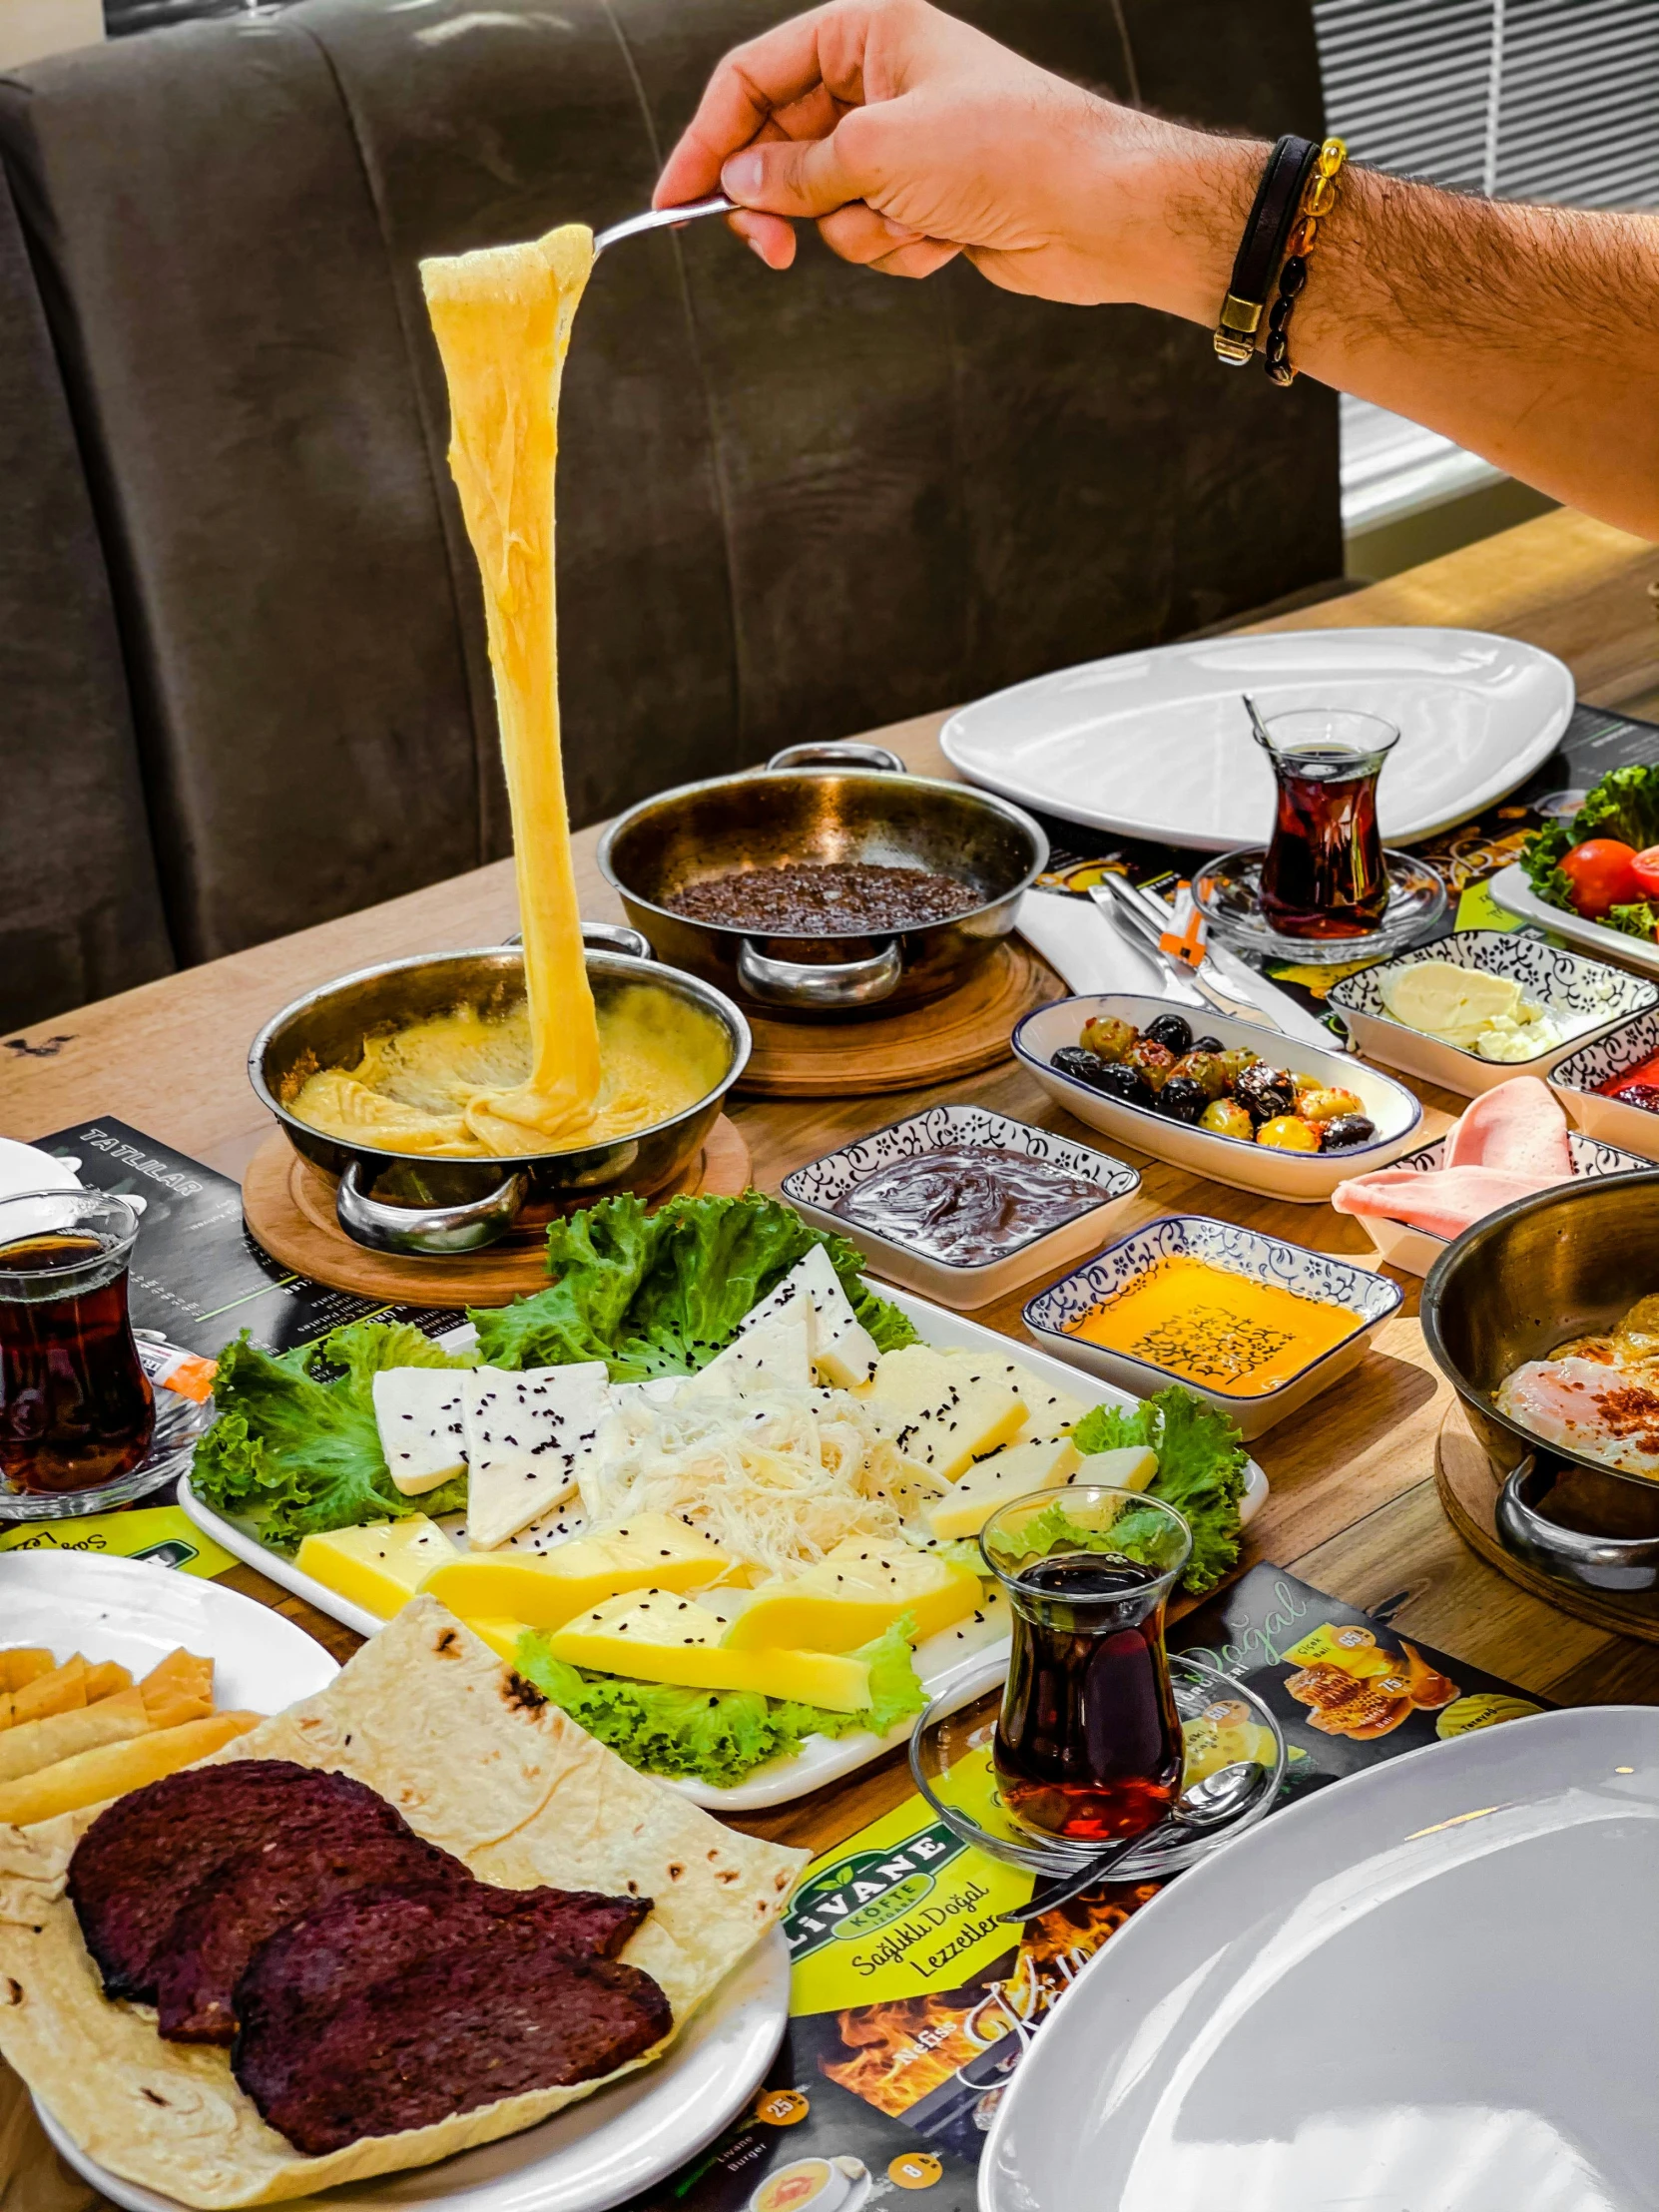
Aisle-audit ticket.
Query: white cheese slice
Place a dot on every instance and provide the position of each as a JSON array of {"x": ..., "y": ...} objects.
[
  {"x": 527, "y": 1438},
  {"x": 841, "y": 1349},
  {"x": 775, "y": 1352},
  {"x": 419, "y": 1413}
]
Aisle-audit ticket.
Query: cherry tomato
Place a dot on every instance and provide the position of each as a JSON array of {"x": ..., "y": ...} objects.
[
  {"x": 1602, "y": 873},
  {"x": 1647, "y": 872}
]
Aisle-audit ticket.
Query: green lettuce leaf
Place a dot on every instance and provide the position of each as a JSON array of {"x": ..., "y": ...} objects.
[
  {"x": 1624, "y": 805},
  {"x": 1541, "y": 861},
  {"x": 715, "y": 1736},
  {"x": 660, "y": 1294},
  {"x": 300, "y": 1453},
  {"x": 1638, "y": 920},
  {"x": 1201, "y": 1471}
]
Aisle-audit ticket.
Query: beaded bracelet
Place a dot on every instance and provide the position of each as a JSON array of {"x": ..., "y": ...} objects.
[{"x": 1317, "y": 200}]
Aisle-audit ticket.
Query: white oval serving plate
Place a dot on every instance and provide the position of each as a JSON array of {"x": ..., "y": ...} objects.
[
  {"x": 1428, "y": 1986},
  {"x": 1155, "y": 744},
  {"x": 594, "y": 2154},
  {"x": 1303, "y": 1176},
  {"x": 1516, "y": 896},
  {"x": 136, "y": 1613},
  {"x": 822, "y": 1758}
]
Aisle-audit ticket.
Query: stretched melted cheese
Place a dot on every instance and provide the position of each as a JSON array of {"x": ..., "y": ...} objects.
[{"x": 502, "y": 322}]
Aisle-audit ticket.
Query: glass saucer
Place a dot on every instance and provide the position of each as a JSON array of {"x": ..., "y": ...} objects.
[
  {"x": 1222, "y": 1720},
  {"x": 1227, "y": 893},
  {"x": 179, "y": 1421}
]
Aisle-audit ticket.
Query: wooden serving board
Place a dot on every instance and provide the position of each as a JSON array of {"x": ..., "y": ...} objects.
[
  {"x": 288, "y": 1205},
  {"x": 1468, "y": 1488},
  {"x": 966, "y": 1031}
]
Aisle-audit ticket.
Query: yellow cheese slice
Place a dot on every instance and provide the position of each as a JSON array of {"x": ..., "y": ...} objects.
[
  {"x": 501, "y": 1635},
  {"x": 1124, "y": 1467},
  {"x": 856, "y": 1592},
  {"x": 502, "y": 320},
  {"x": 380, "y": 1566},
  {"x": 658, "y": 1636},
  {"x": 949, "y": 1409},
  {"x": 1041, "y": 1464},
  {"x": 548, "y": 1588}
]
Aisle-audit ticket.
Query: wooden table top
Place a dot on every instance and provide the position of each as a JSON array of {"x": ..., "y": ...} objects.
[{"x": 1353, "y": 1507}]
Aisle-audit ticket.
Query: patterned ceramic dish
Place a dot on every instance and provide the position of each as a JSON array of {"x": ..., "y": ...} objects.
[
  {"x": 1368, "y": 1296},
  {"x": 1578, "y": 1079},
  {"x": 1303, "y": 1176},
  {"x": 813, "y": 1191},
  {"x": 1584, "y": 998},
  {"x": 1413, "y": 1251}
]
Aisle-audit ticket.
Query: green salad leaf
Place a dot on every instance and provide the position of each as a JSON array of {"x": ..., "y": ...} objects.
[
  {"x": 1640, "y": 919},
  {"x": 1201, "y": 1471},
  {"x": 716, "y": 1736},
  {"x": 301, "y": 1453},
  {"x": 660, "y": 1294},
  {"x": 1541, "y": 861}
]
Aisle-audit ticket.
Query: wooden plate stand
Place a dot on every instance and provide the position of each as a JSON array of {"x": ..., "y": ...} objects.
[
  {"x": 1468, "y": 1488},
  {"x": 288, "y": 1207},
  {"x": 956, "y": 1035}
]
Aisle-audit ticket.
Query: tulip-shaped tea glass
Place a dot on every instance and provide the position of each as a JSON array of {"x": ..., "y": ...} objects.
[
  {"x": 1324, "y": 875},
  {"x": 1088, "y": 1743},
  {"x": 76, "y": 1408}
]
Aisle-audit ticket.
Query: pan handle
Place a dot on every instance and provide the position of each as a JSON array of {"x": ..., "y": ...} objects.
[
  {"x": 431, "y": 1232},
  {"x": 1604, "y": 1563},
  {"x": 838, "y": 753},
  {"x": 824, "y": 985},
  {"x": 605, "y": 936}
]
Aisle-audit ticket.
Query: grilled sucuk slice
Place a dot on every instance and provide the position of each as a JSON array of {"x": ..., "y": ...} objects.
[
  {"x": 300, "y": 1867},
  {"x": 144, "y": 1855},
  {"x": 304, "y": 1973},
  {"x": 502, "y": 2011}
]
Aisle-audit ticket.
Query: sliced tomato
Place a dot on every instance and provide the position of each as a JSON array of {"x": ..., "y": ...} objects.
[
  {"x": 1646, "y": 865},
  {"x": 1602, "y": 873}
]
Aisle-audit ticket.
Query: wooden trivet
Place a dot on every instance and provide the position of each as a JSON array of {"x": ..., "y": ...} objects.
[
  {"x": 968, "y": 1029},
  {"x": 1468, "y": 1488},
  {"x": 288, "y": 1207}
]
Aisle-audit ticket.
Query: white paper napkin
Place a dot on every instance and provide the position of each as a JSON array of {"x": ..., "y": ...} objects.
[{"x": 1083, "y": 947}]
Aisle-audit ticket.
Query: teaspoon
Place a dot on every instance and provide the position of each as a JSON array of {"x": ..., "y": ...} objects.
[
  {"x": 659, "y": 219},
  {"x": 1219, "y": 1798}
]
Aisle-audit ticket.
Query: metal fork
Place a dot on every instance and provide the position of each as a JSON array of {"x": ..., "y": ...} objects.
[
  {"x": 661, "y": 218},
  {"x": 1188, "y": 986}
]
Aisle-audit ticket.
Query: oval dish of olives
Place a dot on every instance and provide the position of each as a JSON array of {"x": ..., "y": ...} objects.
[{"x": 1166, "y": 1069}]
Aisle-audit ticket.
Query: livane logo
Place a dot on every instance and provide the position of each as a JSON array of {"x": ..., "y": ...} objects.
[{"x": 856, "y": 1896}]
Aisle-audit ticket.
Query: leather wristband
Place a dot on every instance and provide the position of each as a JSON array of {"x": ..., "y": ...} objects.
[{"x": 1278, "y": 196}]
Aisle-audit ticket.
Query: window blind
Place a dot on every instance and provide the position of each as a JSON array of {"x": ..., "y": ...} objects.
[{"x": 1519, "y": 99}]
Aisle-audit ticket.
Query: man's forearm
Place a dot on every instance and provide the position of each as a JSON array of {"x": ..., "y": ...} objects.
[{"x": 1529, "y": 335}]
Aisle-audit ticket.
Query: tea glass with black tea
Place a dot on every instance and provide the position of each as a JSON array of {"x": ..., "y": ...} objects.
[
  {"x": 76, "y": 1406},
  {"x": 1324, "y": 875},
  {"x": 1088, "y": 1742}
]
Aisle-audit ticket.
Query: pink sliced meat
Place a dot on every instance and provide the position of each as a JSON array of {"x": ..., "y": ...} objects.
[
  {"x": 1518, "y": 1126},
  {"x": 1445, "y": 1201}
]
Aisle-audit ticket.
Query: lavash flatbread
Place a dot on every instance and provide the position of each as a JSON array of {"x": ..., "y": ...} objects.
[{"x": 429, "y": 1717}]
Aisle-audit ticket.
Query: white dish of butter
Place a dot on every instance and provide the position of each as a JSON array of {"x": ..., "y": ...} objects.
[{"x": 1469, "y": 1011}]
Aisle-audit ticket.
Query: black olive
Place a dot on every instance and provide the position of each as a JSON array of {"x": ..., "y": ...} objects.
[
  {"x": 1073, "y": 1059},
  {"x": 1182, "y": 1099},
  {"x": 1208, "y": 1044},
  {"x": 1171, "y": 1030},
  {"x": 1126, "y": 1083},
  {"x": 1264, "y": 1092},
  {"x": 1347, "y": 1130}
]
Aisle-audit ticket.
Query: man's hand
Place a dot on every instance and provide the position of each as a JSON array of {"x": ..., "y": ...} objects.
[{"x": 910, "y": 137}]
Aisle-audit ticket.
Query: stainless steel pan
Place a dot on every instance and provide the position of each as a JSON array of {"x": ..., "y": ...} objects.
[
  {"x": 392, "y": 1201},
  {"x": 1567, "y": 1262},
  {"x": 822, "y": 804}
]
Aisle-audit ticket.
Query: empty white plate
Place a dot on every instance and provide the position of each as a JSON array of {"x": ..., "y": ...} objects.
[
  {"x": 1155, "y": 744},
  {"x": 1429, "y": 1986}
]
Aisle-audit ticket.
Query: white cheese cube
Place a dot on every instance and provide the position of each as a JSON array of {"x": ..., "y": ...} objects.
[
  {"x": 841, "y": 1349},
  {"x": 947, "y": 1409},
  {"x": 1040, "y": 1463},
  {"x": 527, "y": 1438},
  {"x": 419, "y": 1413},
  {"x": 1124, "y": 1467},
  {"x": 775, "y": 1352}
]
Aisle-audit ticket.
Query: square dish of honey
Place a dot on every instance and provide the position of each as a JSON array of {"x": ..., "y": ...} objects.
[{"x": 1249, "y": 1324}]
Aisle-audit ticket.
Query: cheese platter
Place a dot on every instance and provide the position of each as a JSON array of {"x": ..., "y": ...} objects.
[{"x": 777, "y": 1510}]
